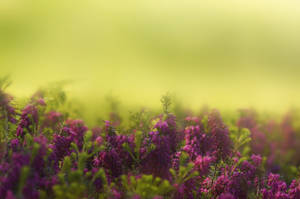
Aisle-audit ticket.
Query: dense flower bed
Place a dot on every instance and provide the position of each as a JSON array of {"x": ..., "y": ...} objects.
[{"x": 45, "y": 154}]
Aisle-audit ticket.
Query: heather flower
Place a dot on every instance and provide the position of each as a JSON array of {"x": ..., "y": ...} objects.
[
  {"x": 96, "y": 131},
  {"x": 11, "y": 173},
  {"x": 214, "y": 143},
  {"x": 275, "y": 183},
  {"x": 115, "y": 194},
  {"x": 60, "y": 148},
  {"x": 117, "y": 142},
  {"x": 136, "y": 197},
  {"x": 238, "y": 184},
  {"x": 34, "y": 161},
  {"x": 167, "y": 127},
  {"x": 76, "y": 129},
  {"x": 38, "y": 162},
  {"x": 195, "y": 120},
  {"x": 52, "y": 120},
  {"x": 276, "y": 188},
  {"x": 10, "y": 195},
  {"x": 111, "y": 162},
  {"x": 176, "y": 161},
  {"x": 109, "y": 128},
  {"x": 220, "y": 135},
  {"x": 15, "y": 144},
  {"x": 294, "y": 190},
  {"x": 256, "y": 159},
  {"x": 29, "y": 190},
  {"x": 6, "y": 109},
  {"x": 248, "y": 169},
  {"x": 259, "y": 139},
  {"x": 226, "y": 196},
  {"x": 196, "y": 142},
  {"x": 247, "y": 119},
  {"x": 29, "y": 120},
  {"x": 221, "y": 185},
  {"x": 202, "y": 164},
  {"x": 115, "y": 119},
  {"x": 157, "y": 161},
  {"x": 188, "y": 189},
  {"x": 99, "y": 140},
  {"x": 197, "y": 149}
]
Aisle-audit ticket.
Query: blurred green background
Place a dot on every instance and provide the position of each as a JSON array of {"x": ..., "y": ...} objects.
[{"x": 227, "y": 54}]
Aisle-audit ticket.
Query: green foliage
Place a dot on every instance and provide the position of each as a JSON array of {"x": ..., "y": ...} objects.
[
  {"x": 186, "y": 170},
  {"x": 135, "y": 154},
  {"x": 241, "y": 139},
  {"x": 204, "y": 121},
  {"x": 146, "y": 186},
  {"x": 166, "y": 101},
  {"x": 184, "y": 173},
  {"x": 53, "y": 94},
  {"x": 23, "y": 177},
  {"x": 6, "y": 126},
  {"x": 5, "y": 82},
  {"x": 140, "y": 120},
  {"x": 75, "y": 183}
]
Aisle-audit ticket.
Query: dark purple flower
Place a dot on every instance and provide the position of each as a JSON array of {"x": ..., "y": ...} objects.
[
  {"x": 52, "y": 120},
  {"x": 256, "y": 160},
  {"x": 226, "y": 196},
  {"x": 111, "y": 162},
  {"x": 276, "y": 188},
  {"x": 29, "y": 118},
  {"x": 220, "y": 135},
  {"x": 9, "y": 195},
  {"x": 76, "y": 129},
  {"x": 6, "y": 109},
  {"x": 196, "y": 142},
  {"x": 294, "y": 190},
  {"x": 60, "y": 148},
  {"x": 15, "y": 144},
  {"x": 203, "y": 163},
  {"x": 158, "y": 160}
]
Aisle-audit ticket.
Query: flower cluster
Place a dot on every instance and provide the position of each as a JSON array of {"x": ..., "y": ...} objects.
[{"x": 46, "y": 154}]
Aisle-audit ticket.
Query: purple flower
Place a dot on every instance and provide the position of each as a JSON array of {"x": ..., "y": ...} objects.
[
  {"x": 276, "y": 188},
  {"x": 9, "y": 195},
  {"x": 76, "y": 129},
  {"x": 214, "y": 143},
  {"x": 115, "y": 194},
  {"x": 221, "y": 185},
  {"x": 6, "y": 109},
  {"x": 157, "y": 197},
  {"x": 220, "y": 135},
  {"x": 202, "y": 164},
  {"x": 52, "y": 120},
  {"x": 111, "y": 162},
  {"x": 256, "y": 160},
  {"x": 29, "y": 118},
  {"x": 15, "y": 144},
  {"x": 10, "y": 177},
  {"x": 226, "y": 196},
  {"x": 136, "y": 197},
  {"x": 294, "y": 190},
  {"x": 60, "y": 148},
  {"x": 176, "y": 160},
  {"x": 196, "y": 142},
  {"x": 167, "y": 127},
  {"x": 158, "y": 160}
]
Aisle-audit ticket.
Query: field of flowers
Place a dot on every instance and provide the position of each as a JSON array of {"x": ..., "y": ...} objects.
[{"x": 46, "y": 153}]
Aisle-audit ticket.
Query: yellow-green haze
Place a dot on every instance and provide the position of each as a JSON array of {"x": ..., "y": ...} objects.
[{"x": 227, "y": 54}]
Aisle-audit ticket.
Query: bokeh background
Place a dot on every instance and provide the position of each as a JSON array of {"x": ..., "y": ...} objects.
[{"x": 227, "y": 54}]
